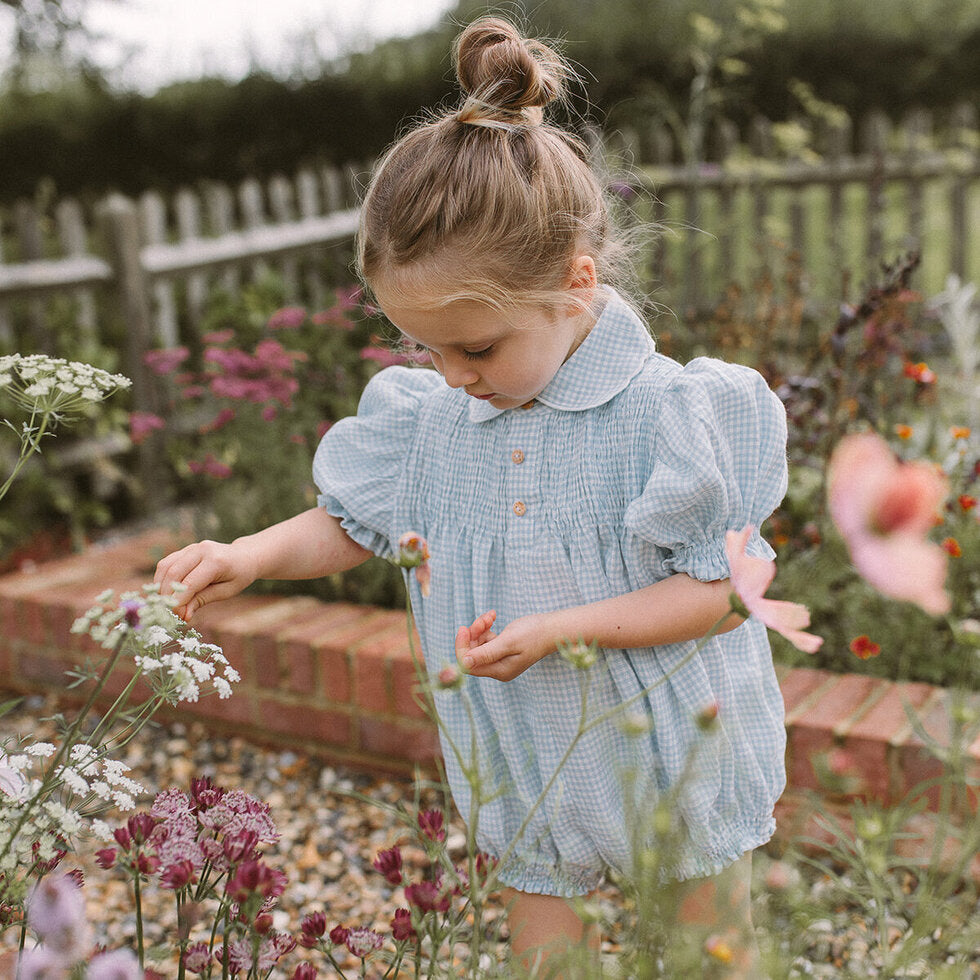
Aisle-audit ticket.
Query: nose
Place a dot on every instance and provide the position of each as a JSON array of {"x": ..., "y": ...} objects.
[{"x": 457, "y": 372}]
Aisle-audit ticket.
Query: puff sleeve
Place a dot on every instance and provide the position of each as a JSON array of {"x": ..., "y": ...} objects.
[
  {"x": 360, "y": 461},
  {"x": 718, "y": 463}
]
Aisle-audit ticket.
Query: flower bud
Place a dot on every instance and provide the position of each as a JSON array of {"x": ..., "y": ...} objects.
[{"x": 582, "y": 656}]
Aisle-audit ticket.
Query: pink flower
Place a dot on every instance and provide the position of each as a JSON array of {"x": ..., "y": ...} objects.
[
  {"x": 211, "y": 466},
  {"x": 363, "y": 942},
  {"x": 141, "y": 424},
  {"x": 431, "y": 824},
  {"x": 401, "y": 926},
  {"x": 884, "y": 509},
  {"x": 288, "y": 318},
  {"x": 255, "y": 878},
  {"x": 165, "y": 361},
  {"x": 56, "y": 912},
  {"x": 197, "y": 958},
  {"x": 389, "y": 863},
  {"x": 220, "y": 420},
  {"x": 12, "y": 781},
  {"x": 121, "y": 964},
  {"x": 312, "y": 928},
  {"x": 41, "y": 963},
  {"x": 750, "y": 578},
  {"x": 427, "y": 896}
]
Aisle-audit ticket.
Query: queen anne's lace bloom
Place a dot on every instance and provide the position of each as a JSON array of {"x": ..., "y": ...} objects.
[
  {"x": 54, "y": 386},
  {"x": 170, "y": 655}
]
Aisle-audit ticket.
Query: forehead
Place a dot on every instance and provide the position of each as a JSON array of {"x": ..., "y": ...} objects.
[{"x": 462, "y": 323}]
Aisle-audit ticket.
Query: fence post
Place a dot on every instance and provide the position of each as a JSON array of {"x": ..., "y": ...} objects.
[{"x": 120, "y": 223}]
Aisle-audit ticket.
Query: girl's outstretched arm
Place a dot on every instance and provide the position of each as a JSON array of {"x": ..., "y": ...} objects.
[
  {"x": 310, "y": 545},
  {"x": 673, "y": 610}
]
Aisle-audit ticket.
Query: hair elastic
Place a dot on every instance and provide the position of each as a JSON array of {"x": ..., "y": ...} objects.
[{"x": 470, "y": 115}]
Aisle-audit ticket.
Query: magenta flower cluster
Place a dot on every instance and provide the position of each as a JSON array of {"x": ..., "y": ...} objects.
[
  {"x": 428, "y": 900},
  {"x": 208, "y": 844}
]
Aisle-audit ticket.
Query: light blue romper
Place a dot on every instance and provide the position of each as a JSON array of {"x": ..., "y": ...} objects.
[{"x": 626, "y": 469}]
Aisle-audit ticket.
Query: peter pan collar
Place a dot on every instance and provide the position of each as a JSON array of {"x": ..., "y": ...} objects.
[{"x": 612, "y": 354}]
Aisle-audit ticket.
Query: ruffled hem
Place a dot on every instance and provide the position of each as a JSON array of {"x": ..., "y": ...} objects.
[
  {"x": 704, "y": 863},
  {"x": 374, "y": 541},
  {"x": 708, "y": 562},
  {"x": 567, "y": 880}
]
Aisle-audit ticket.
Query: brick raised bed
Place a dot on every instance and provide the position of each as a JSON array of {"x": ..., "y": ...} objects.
[{"x": 336, "y": 680}]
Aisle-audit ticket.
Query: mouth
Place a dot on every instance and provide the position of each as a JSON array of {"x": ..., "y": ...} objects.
[{"x": 483, "y": 398}]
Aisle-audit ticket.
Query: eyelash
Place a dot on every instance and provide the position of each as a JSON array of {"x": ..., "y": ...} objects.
[{"x": 471, "y": 355}]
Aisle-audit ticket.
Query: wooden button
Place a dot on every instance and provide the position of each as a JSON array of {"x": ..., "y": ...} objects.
[
  {"x": 517, "y": 456},
  {"x": 529, "y": 404},
  {"x": 519, "y": 508}
]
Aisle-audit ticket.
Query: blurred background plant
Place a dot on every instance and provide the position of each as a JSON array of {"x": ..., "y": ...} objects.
[{"x": 265, "y": 384}]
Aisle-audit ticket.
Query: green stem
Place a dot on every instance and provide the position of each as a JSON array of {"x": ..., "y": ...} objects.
[
  {"x": 29, "y": 445},
  {"x": 139, "y": 916},
  {"x": 109, "y": 717},
  {"x": 50, "y": 779}
]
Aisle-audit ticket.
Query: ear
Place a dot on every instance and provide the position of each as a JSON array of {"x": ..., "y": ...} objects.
[{"x": 582, "y": 278}]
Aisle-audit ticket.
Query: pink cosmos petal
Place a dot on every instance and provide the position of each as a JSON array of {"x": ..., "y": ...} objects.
[
  {"x": 750, "y": 577},
  {"x": 904, "y": 567},
  {"x": 884, "y": 509}
]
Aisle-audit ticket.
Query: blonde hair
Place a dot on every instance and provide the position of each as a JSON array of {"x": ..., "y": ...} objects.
[{"x": 488, "y": 202}]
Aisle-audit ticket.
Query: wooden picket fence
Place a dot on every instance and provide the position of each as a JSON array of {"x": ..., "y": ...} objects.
[
  {"x": 828, "y": 215},
  {"x": 137, "y": 274}
]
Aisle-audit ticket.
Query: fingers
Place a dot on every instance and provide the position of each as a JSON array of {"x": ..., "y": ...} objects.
[
  {"x": 462, "y": 644},
  {"x": 197, "y": 577},
  {"x": 483, "y": 623}
]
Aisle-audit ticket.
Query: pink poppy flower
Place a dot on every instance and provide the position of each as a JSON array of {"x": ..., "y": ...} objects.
[
  {"x": 750, "y": 578},
  {"x": 884, "y": 509}
]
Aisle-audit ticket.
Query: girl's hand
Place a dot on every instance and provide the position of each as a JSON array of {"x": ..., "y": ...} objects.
[
  {"x": 506, "y": 655},
  {"x": 209, "y": 571}
]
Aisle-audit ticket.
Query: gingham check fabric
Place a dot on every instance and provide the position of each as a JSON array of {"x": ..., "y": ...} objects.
[{"x": 627, "y": 468}]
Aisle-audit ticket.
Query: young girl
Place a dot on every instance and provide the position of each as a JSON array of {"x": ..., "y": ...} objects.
[{"x": 573, "y": 484}]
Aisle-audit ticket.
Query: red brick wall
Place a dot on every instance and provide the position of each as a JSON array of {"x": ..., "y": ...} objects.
[{"x": 337, "y": 680}]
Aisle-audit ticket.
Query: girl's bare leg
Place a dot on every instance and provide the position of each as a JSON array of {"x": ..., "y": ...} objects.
[
  {"x": 716, "y": 913},
  {"x": 544, "y": 929}
]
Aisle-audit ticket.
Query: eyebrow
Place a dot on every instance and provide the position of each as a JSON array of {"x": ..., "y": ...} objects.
[{"x": 482, "y": 343}]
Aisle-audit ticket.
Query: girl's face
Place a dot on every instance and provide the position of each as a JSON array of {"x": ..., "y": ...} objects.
[{"x": 506, "y": 359}]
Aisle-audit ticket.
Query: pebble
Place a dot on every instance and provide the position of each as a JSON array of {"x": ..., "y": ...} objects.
[{"x": 329, "y": 838}]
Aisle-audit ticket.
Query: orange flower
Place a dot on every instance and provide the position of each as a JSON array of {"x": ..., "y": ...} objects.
[
  {"x": 718, "y": 949},
  {"x": 960, "y": 432},
  {"x": 952, "y": 547},
  {"x": 966, "y": 501},
  {"x": 920, "y": 372},
  {"x": 903, "y": 431},
  {"x": 863, "y": 647}
]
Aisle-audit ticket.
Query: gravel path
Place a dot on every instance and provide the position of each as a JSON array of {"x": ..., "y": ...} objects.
[{"x": 330, "y": 837}]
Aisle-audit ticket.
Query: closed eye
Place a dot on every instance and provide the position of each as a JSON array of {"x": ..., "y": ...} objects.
[{"x": 475, "y": 355}]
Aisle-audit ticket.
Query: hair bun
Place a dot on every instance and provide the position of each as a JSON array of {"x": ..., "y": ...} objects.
[{"x": 504, "y": 73}]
